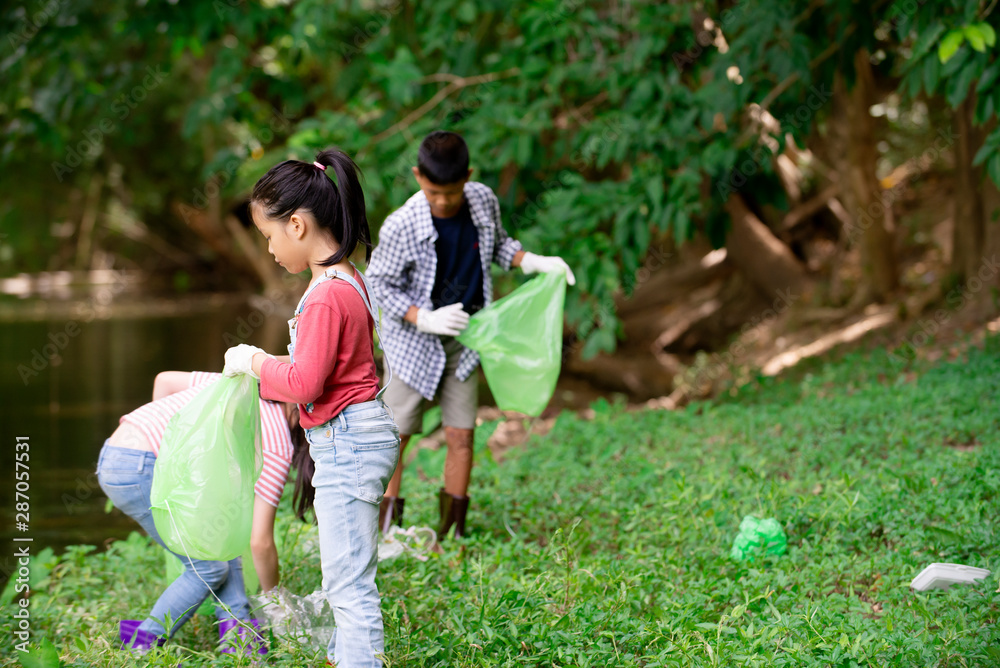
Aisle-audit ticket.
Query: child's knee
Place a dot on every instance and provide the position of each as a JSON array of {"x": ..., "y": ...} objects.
[{"x": 214, "y": 573}]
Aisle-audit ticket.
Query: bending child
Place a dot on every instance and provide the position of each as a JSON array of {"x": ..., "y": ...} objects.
[
  {"x": 125, "y": 474},
  {"x": 312, "y": 223}
]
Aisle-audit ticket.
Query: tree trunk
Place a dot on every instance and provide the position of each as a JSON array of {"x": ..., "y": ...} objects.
[
  {"x": 91, "y": 209},
  {"x": 262, "y": 262},
  {"x": 638, "y": 376},
  {"x": 765, "y": 261},
  {"x": 870, "y": 231},
  {"x": 969, "y": 230},
  {"x": 661, "y": 285}
]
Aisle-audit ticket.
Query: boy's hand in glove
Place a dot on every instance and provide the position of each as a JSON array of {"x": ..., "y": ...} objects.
[
  {"x": 448, "y": 320},
  {"x": 531, "y": 263}
]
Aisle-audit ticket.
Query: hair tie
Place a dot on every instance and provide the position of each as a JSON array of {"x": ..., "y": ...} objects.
[{"x": 320, "y": 167}]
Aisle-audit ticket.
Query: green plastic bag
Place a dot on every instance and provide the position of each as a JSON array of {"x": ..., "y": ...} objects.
[
  {"x": 210, "y": 458},
  {"x": 519, "y": 341},
  {"x": 756, "y": 534}
]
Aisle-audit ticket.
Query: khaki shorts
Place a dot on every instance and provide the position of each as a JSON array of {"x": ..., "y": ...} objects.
[{"x": 458, "y": 399}]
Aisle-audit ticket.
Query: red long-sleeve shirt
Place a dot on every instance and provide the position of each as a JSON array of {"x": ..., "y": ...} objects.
[{"x": 334, "y": 356}]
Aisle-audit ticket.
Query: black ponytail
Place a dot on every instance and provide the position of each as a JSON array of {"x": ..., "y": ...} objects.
[
  {"x": 334, "y": 197},
  {"x": 304, "y": 494}
]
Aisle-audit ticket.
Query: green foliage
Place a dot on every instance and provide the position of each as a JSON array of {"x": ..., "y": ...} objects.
[
  {"x": 949, "y": 45},
  {"x": 605, "y": 542},
  {"x": 45, "y": 656},
  {"x": 612, "y": 132},
  {"x": 601, "y": 126},
  {"x": 964, "y": 72}
]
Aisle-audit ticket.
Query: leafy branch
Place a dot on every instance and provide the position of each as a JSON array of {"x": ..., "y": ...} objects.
[{"x": 456, "y": 83}]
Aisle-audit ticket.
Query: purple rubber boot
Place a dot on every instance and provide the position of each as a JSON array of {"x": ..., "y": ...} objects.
[
  {"x": 134, "y": 638},
  {"x": 247, "y": 639}
]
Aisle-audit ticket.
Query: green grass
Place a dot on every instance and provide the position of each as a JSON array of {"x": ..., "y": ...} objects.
[{"x": 606, "y": 542}]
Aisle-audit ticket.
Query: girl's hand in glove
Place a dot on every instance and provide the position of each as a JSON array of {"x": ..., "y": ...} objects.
[{"x": 239, "y": 359}]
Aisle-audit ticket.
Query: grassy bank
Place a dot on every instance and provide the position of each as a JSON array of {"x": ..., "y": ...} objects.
[{"x": 607, "y": 541}]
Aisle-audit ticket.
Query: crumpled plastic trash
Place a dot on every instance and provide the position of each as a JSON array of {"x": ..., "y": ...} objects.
[
  {"x": 756, "y": 534},
  {"x": 306, "y": 619},
  {"x": 416, "y": 541}
]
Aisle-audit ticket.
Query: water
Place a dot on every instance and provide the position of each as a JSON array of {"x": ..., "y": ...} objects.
[{"x": 71, "y": 369}]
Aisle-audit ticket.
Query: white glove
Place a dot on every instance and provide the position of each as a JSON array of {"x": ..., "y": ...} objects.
[
  {"x": 448, "y": 320},
  {"x": 239, "y": 359},
  {"x": 531, "y": 263}
]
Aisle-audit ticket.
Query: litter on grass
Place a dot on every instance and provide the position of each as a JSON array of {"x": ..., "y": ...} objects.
[
  {"x": 416, "y": 541},
  {"x": 308, "y": 619},
  {"x": 756, "y": 535},
  {"x": 942, "y": 576},
  {"x": 305, "y": 619}
]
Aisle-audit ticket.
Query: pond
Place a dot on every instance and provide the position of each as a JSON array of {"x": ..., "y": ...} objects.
[{"x": 71, "y": 367}]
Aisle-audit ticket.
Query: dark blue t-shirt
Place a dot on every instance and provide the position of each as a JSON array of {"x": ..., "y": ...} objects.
[{"x": 459, "y": 269}]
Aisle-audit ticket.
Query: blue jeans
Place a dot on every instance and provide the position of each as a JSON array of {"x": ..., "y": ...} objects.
[
  {"x": 126, "y": 477},
  {"x": 355, "y": 455}
]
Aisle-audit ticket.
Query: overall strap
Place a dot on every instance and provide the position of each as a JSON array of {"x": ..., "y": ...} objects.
[
  {"x": 372, "y": 305},
  {"x": 302, "y": 300}
]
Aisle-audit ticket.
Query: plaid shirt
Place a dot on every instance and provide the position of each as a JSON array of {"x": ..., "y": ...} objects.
[{"x": 402, "y": 273}]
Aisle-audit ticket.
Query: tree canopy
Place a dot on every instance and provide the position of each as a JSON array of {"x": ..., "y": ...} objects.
[{"x": 608, "y": 129}]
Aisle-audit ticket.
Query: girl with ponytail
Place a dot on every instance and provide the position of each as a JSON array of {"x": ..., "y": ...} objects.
[{"x": 313, "y": 217}]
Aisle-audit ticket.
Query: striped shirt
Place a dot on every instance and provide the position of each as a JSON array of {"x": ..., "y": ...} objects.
[{"x": 276, "y": 441}]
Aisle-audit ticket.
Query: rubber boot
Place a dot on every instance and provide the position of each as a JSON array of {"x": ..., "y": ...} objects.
[
  {"x": 453, "y": 510},
  {"x": 247, "y": 639},
  {"x": 390, "y": 512},
  {"x": 135, "y": 639}
]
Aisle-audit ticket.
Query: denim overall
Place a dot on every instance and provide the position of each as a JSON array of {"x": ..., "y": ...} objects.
[{"x": 355, "y": 455}]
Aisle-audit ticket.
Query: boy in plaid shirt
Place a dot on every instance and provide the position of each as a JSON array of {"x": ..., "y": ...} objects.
[{"x": 430, "y": 271}]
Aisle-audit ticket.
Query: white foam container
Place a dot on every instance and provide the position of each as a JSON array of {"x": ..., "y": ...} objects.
[{"x": 942, "y": 576}]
